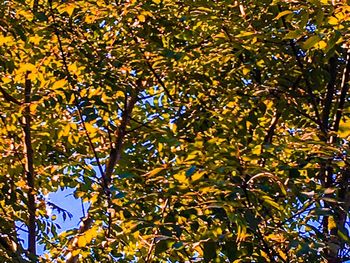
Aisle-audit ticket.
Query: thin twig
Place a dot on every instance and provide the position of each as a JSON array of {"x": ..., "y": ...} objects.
[
  {"x": 149, "y": 65},
  {"x": 71, "y": 85},
  {"x": 150, "y": 250},
  {"x": 302, "y": 68}
]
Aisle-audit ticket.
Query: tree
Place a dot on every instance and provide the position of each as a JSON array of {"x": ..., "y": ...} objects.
[{"x": 212, "y": 131}]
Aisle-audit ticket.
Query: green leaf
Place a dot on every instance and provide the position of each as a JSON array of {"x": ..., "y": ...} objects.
[
  {"x": 310, "y": 42},
  {"x": 296, "y": 34}
]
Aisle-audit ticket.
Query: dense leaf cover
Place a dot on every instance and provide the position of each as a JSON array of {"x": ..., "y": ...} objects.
[{"x": 198, "y": 130}]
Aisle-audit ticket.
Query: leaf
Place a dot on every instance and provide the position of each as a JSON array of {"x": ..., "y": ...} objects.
[
  {"x": 59, "y": 84},
  {"x": 310, "y": 42},
  {"x": 245, "y": 71},
  {"x": 331, "y": 223},
  {"x": 344, "y": 236},
  {"x": 198, "y": 175},
  {"x": 178, "y": 245},
  {"x": 271, "y": 202},
  {"x": 283, "y": 13},
  {"x": 27, "y": 67},
  {"x": 245, "y": 34},
  {"x": 296, "y": 34},
  {"x": 154, "y": 172},
  {"x": 141, "y": 18},
  {"x": 81, "y": 241},
  {"x": 321, "y": 45},
  {"x": 70, "y": 9},
  {"x": 157, "y": 1},
  {"x": 282, "y": 254},
  {"x": 181, "y": 177},
  {"x": 333, "y": 21}
]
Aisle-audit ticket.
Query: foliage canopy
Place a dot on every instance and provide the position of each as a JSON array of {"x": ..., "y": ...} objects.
[{"x": 212, "y": 131}]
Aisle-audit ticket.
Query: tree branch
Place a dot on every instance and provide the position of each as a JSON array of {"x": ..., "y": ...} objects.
[
  {"x": 117, "y": 146},
  {"x": 327, "y": 105},
  {"x": 271, "y": 130},
  {"x": 301, "y": 66},
  {"x": 35, "y": 6},
  {"x": 29, "y": 166},
  {"x": 344, "y": 88},
  {"x": 8, "y": 97},
  {"x": 149, "y": 65},
  {"x": 160, "y": 81},
  {"x": 150, "y": 250},
  {"x": 76, "y": 102}
]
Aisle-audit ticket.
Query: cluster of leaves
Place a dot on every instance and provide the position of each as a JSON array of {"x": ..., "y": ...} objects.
[{"x": 212, "y": 131}]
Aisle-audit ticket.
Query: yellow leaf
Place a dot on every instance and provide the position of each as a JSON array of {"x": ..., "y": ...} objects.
[
  {"x": 21, "y": 184},
  {"x": 157, "y": 1},
  {"x": 220, "y": 35},
  {"x": 198, "y": 175},
  {"x": 76, "y": 252},
  {"x": 173, "y": 127},
  {"x": 6, "y": 80},
  {"x": 73, "y": 68},
  {"x": 181, "y": 177},
  {"x": 26, "y": 14},
  {"x": 321, "y": 45},
  {"x": 154, "y": 172},
  {"x": 333, "y": 21},
  {"x": 120, "y": 94},
  {"x": 245, "y": 34},
  {"x": 91, "y": 234},
  {"x": 241, "y": 231},
  {"x": 331, "y": 223},
  {"x": 246, "y": 71},
  {"x": 344, "y": 127},
  {"x": 257, "y": 150},
  {"x": 283, "y": 13},
  {"x": 59, "y": 84},
  {"x": 231, "y": 104},
  {"x": 94, "y": 198},
  {"x": 81, "y": 241},
  {"x": 260, "y": 63},
  {"x": 5, "y": 40},
  {"x": 282, "y": 254},
  {"x": 265, "y": 255},
  {"x": 35, "y": 39},
  {"x": 89, "y": 19},
  {"x": 141, "y": 18},
  {"x": 340, "y": 15},
  {"x": 27, "y": 67},
  {"x": 70, "y": 9},
  {"x": 90, "y": 128}
]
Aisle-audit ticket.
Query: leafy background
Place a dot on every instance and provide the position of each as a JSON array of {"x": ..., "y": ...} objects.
[{"x": 212, "y": 131}]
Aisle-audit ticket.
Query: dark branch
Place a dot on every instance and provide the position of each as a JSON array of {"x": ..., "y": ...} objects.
[
  {"x": 76, "y": 96},
  {"x": 8, "y": 97},
  {"x": 29, "y": 166},
  {"x": 327, "y": 105},
  {"x": 302, "y": 68},
  {"x": 343, "y": 92}
]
